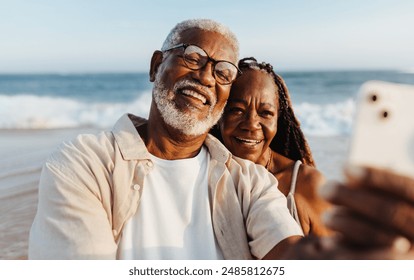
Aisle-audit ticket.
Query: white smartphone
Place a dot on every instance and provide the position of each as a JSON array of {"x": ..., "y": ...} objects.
[{"x": 383, "y": 132}]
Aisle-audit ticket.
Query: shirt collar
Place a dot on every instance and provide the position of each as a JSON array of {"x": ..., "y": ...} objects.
[
  {"x": 126, "y": 135},
  {"x": 217, "y": 150},
  {"x": 133, "y": 147}
]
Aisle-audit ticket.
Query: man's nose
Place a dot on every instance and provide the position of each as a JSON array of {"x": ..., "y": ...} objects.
[{"x": 205, "y": 75}]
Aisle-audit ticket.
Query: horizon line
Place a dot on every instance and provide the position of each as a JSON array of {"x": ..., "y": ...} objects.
[{"x": 102, "y": 72}]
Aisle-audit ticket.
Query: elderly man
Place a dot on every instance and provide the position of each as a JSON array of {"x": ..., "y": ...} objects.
[{"x": 163, "y": 188}]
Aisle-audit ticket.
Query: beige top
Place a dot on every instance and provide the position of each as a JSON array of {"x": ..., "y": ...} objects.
[{"x": 92, "y": 185}]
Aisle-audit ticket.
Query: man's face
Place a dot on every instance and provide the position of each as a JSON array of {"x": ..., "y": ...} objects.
[{"x": 191, "y": 100}]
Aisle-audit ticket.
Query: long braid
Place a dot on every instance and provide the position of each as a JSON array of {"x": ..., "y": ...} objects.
[{"x": 289, "y": 140}]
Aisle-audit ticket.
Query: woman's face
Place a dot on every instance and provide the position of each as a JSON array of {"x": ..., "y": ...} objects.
[{"x": 249, "y": 122}]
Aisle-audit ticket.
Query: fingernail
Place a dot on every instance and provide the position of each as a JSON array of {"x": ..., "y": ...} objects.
[
  {"x": 402, "y": 245},
  {"x": 355, "y": 171},
  {"x": 328, "y": 190}
]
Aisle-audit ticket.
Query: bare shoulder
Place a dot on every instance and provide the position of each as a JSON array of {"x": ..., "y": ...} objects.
[
  {"x": 310, "y": 179},
  {"x": 310, "y": 204},
  {"x": 308, "y": 183}
]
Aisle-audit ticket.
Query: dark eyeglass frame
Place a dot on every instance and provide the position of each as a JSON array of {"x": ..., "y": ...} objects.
[{"x": 198, "y": 67}]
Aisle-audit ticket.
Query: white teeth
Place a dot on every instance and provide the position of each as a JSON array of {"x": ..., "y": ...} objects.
[
  {"x": 249, "y": 141},
  {"x": 195, "y": 95}
]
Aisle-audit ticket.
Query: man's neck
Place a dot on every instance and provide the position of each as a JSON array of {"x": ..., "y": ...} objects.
[{"x": 166, "y": 142}]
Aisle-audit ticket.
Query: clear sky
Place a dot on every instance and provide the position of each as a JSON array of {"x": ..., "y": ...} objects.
[{"x": 102, "y": 35}]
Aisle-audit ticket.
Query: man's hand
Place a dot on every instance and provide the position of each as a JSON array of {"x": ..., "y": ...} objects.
[
  {"x": 332, "y": 248},
  {"x": 375, "y": 208},
  {"x": 373, "y": 215}
]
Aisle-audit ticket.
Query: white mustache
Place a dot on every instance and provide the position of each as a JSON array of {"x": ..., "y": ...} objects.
[{"x": 211, "y": 97}]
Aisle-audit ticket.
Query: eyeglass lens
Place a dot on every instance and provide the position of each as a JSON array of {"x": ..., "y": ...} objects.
[{"x": 196, "y": 58}]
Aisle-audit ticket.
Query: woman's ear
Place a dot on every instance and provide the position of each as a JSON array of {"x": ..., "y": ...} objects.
[{"x": 156, "y": 60}]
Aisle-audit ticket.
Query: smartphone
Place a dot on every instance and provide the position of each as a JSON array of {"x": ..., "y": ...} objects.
[{"x": 383, "y": 128}]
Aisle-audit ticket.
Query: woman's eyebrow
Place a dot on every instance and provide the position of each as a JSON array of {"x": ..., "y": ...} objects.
[
  {"x": 237, "y": 100},
  {"x": 268, "y": 104}
]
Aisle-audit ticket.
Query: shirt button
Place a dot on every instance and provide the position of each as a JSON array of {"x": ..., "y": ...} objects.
[
  {"x": 150, "y": 164},
  {"x": 136, "y": 187},
  {"x": 114, "y": 232}
]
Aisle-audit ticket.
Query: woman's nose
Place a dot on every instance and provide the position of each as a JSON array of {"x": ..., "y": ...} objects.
[{"x": 251, "y": 121}]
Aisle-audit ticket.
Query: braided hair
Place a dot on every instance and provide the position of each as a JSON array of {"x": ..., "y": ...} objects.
[{"x": 289, "y": 140}]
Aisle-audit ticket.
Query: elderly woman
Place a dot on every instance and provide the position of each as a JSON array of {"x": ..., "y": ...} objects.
[{"x": 259, "y": 124}]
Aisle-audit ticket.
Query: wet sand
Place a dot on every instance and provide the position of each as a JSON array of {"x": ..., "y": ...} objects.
[{"x": 22, "y": 153}]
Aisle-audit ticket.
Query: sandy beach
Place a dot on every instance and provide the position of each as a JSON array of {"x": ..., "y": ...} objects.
[{"x": 22, "y": 153}]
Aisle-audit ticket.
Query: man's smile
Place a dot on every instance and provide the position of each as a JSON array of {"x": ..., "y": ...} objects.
[{"x": 193, "y": 94}]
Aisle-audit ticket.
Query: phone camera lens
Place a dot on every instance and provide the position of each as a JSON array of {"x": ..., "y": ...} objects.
[
  {"x": 373, "y": 97},
  {"x": 385, "y": 114}
]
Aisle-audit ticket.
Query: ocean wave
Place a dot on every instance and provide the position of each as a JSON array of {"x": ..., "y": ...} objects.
[
  {"x": 407, "y": 70},
  {"x": 35, "y": 112},
  {"x": 326, "y": 119}
]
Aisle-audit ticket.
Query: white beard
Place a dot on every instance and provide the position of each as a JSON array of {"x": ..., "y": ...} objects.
[{"x": 182, "y": 121}]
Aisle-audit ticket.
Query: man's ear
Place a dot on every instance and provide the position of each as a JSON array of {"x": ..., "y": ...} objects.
[{"x": 155, "y": 63}]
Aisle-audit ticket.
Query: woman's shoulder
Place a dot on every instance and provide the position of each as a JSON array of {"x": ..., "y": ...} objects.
[
  {"x": 282, "y": 163},
  {"x": 310, "y": 176},
  {"x": 308, "y": 183}
]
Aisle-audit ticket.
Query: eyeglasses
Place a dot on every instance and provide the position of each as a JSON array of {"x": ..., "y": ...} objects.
[{"x": 196, "y": 58}]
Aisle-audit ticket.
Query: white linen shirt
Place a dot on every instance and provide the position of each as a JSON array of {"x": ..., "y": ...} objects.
[{"x": 92, "y": 185}]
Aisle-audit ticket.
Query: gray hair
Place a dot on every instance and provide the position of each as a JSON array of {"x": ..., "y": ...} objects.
[{"x": 174, "y": 36}]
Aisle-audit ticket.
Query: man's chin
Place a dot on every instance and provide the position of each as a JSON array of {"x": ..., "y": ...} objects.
[
  {"x": 196, "y": 112},
  {"x": 187, "y": 124}
]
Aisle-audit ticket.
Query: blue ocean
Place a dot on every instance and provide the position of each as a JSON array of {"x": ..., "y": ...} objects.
[{"x": 324, "y": 102}]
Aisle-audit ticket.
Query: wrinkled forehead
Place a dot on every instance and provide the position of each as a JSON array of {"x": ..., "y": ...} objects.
[
  {"x": 215, "y": 44},
  {"x": 254, "y": 80}
]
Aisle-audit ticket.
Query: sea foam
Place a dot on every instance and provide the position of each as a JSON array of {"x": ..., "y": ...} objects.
[
  {"x": 35, "y": 112},
  {"x": 326, "y": 119}
]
